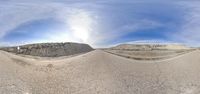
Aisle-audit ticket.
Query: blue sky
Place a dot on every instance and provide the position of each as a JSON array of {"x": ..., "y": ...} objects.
[{"x": 99, "y": 23}]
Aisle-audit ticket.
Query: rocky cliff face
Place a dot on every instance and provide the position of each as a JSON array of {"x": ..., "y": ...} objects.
[{"x": 50, "y": 49}]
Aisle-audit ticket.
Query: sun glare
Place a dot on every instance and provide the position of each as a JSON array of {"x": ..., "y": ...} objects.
[{"x": 80, "y": 24}]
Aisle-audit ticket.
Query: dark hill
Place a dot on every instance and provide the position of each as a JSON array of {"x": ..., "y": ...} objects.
[{"x": 50, "y": 49}]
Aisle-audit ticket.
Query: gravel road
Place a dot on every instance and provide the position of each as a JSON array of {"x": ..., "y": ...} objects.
[{"x": 99, "y": 72}]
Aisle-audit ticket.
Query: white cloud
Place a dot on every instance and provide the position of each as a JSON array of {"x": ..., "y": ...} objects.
[
  {"x": 82, "y": 24},
  {"x": 79, "y": 22},
  {"x": 135, "y": 26},
  {"x": 190, "y": 31},
  {"x": 15, "y": 14},
  {"x": 139, "y": 24}
]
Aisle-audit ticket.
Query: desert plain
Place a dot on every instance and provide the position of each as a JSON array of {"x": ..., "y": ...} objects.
[{"x": 103, "y": 71}]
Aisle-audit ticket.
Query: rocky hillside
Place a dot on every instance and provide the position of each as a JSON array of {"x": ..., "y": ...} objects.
[
  {"x": 149, "y": 47},
  {"x": 49, "y": 49}
]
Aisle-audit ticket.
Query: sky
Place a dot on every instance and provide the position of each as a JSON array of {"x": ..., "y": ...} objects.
[{"x": 100, "y": 23}]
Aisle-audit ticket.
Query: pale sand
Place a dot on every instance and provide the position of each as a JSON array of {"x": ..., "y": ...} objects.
[{"x": 99, "y": 72}]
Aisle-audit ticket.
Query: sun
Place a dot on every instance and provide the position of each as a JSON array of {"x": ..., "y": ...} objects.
[{"x": 80, "y": 23}]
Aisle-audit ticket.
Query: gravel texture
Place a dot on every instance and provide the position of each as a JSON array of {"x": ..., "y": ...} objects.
[
  {"x": 50, "y": 49},
  {"x": 99, "y": 72}
]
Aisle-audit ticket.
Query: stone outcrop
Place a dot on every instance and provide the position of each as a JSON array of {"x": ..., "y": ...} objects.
[{"x": 50, "y": 49}]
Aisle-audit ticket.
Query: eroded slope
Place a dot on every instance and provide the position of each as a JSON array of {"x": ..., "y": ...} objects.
[{"x": 50, "y": 49}]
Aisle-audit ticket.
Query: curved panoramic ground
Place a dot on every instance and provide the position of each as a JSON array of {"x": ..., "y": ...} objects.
[{"x": 99, "y": 72}]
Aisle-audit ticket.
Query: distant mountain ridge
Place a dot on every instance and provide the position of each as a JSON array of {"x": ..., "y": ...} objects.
[
  {"x": 50, "y": 49},
  {"x": 150, "y": 46}
]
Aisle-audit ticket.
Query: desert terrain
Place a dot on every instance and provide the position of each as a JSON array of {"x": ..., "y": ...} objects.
[
  {"x": 102, "y": 72},
  {"x": 149, "y": 51}
]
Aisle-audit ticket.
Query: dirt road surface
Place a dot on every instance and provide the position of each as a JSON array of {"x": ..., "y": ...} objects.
[{"x": 99, "y": 72}]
